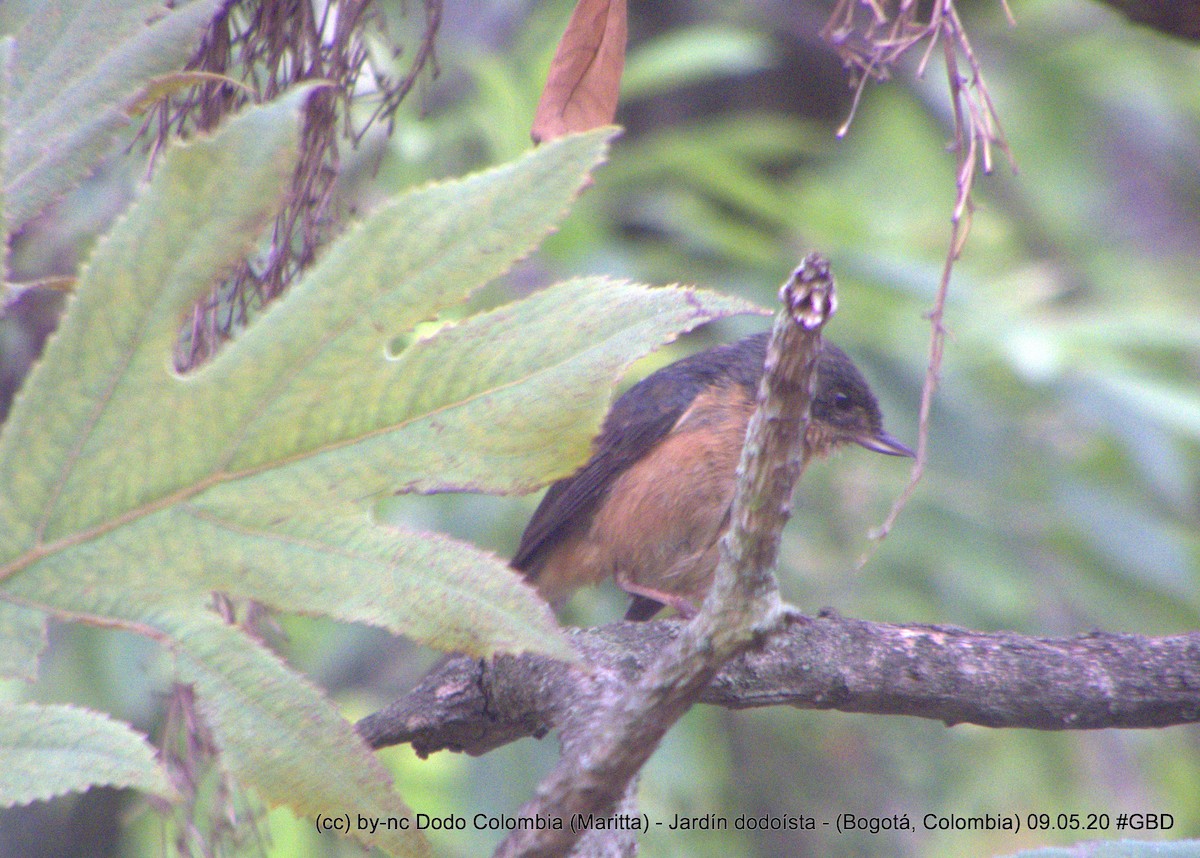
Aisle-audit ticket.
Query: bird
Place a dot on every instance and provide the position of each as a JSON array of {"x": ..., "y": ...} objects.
[{"x": 651, "y": 504}]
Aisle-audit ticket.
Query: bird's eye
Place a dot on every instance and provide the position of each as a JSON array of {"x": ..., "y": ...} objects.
[{"x": 841, "y": 401}]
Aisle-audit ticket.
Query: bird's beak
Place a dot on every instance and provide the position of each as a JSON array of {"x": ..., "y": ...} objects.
[{"x": 886, "y": 444}]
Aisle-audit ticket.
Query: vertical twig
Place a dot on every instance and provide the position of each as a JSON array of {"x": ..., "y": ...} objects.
[{"x": 870, "y": 49}]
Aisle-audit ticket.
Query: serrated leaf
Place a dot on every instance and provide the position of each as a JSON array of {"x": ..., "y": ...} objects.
[
  {"x": 96, "y": 509},
  {"x": 247, "y": 476},
  {"x": 426, "y": 251},
  {"x": 103, "y": 403},
  {"x": 51, "y": 750},
  {"x": 445, "y": 593},
  {"x": 76, "y": 64},
  {"x": 130, "y": 492},
  {"x": 496, "y": 403},
  {"x": 401, "y": 266},
  {"x": 261, "y": 713}
]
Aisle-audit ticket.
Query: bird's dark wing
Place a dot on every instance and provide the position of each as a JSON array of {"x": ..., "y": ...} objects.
[
  {"x": 631, "y": 430},
  {"x": 638, "y": 420}
]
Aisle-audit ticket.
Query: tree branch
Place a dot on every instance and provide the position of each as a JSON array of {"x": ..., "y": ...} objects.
[
  {"x": 996, "y": 679},
  {"x": 1181, "y": 20}
]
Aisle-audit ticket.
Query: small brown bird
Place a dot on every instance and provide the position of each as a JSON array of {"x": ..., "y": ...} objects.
[{"x": 651, "y": 504}]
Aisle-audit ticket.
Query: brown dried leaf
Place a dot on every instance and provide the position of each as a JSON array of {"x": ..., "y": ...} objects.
[{"x": 585, "y": 76}]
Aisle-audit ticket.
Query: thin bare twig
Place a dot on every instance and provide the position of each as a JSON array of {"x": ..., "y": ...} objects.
[{"x": 870, "y": 42}]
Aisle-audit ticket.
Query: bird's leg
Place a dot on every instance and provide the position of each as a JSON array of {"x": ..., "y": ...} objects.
[{"x": 682, "y": 604}]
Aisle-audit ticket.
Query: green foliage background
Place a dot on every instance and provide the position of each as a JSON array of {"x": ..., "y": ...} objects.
[{"x": 1063, "y": 493}]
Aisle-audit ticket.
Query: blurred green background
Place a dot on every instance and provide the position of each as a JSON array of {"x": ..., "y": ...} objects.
[{"x": 1063, "y": 492}]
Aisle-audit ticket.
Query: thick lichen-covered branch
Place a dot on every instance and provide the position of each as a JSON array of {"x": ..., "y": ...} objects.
[{"x": 996, "y": 679}]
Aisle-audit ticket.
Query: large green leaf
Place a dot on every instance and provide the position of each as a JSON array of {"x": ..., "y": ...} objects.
[
  {"x": 50, "y": 750},
  {"x": 130, "y": 493},
  {"x": 212, "y": 481},
  {"x": 103, "y": 407},
  {"x": 75, "y": 65},
  {"x": 280, "y": 733},
  {"x": 495, "y": 403}
]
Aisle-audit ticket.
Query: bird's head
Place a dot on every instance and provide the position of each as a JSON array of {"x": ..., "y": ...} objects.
[{"x": 844, "y": 410}]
